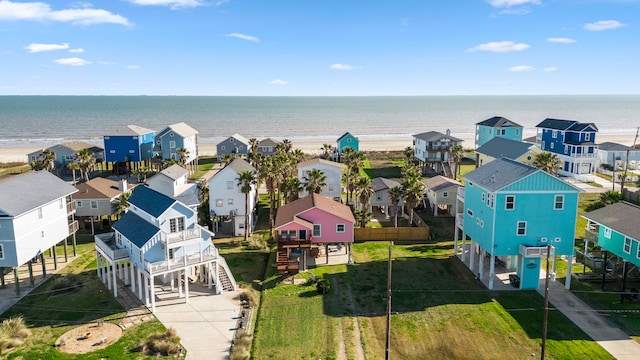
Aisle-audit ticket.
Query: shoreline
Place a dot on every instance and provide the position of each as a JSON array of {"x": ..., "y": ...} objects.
[{"x": 19, "y": 153}]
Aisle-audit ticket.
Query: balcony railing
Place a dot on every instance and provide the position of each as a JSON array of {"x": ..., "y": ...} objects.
[
  {"x": 107, "y": 243},
  {"x": 71, "y": 207},
  {"x": 460, "y": 221},
  {"x": 460, "y": 193},
  {"x": 210, "y": 254},
  {"x": 439, "y": 148},
  {"x": 591, "y": 234},
  {"x": 535, "y": 251},
  {"x": 185, "y": 235},
  {"x": 73, "y": 227}
]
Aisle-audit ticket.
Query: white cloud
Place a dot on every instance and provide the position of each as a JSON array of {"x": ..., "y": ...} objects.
[
  {"x": 342, "y": 67},
  {"x": 39, "y": 11},
  {"x": 604, "y": 25},
  {"x": 76, "y": 51},
  {"x": 74, "y": 61},
  {"x": 133, "y": 67},
  {"x": 36, "y": 48},
  {"x": 173, "y": 4},
  {"x": 509, "y": 3},
  {"x": 519, "y": 11},
  {"x": 500, "y": 47},
  {"x": 550, "y": 69},
  {"x": 106, "y": 62},
  {"x": 561, "y": 40},
  {"x": 243, "y": 37},
  {"x": 521, "y": 68},
  {"x": 278, "y": 82}
]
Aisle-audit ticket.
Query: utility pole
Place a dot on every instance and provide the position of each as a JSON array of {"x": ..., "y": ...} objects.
[
  {"x": 388, "y": 348},
  {"x": 626, "y": 163},
  {"x": 545, "y": 319}
]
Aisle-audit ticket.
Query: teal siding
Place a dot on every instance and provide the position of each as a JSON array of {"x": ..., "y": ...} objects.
[
  {"x": 615, "y": 244},
  {"x": 348, "y": 140},
  {"x": 486, "y": 133},
  {"x": 540, "y": 181},
  {"x": 479, "y": 226}
]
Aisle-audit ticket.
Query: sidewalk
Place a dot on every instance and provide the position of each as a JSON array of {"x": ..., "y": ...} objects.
[{"x": 612, "y": 339}]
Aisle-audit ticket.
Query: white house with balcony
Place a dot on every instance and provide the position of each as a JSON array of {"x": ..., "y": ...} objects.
[
  {"x": 174, "y": 182},
  {"x": 158, "y": 241},
  {"x": 333, "y": 172},
  {"x": 36, "y": 214}
]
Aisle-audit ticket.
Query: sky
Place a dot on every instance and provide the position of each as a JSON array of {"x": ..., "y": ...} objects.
[{"x": 319, "y": 47}]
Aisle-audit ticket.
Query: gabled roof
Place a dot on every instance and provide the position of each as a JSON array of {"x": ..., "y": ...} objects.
[
  {"x": 25, "y": 192},
  {"x": 239, "y": 165},
  {"x": 583, "y": 127},
  {"x": 320, "y": 161},
  {"x": 434, "y": 136},
  {"x": 502, "y": 147},
  {"x": 180, "y": 128},
  {"x": 566, "y": 125},
  {"x": 291, "y": 211},
  {"x": 237, "y": 137},
  {"x": 498, "y": 121},
  {"x": 135, "y": 228},
  {"x": 99, "y": 188},
  {"x": 150, "y": 201},
  {"x": 621, "y": 217},
  {"x": 79, "y": 145},
  {"x": 381, "y": 183},
  {"x": 611, "y": 146},
  {"x": 499, "y": 173},
  {"x": 268, "y": 142},
  {"x": 130, "y": 130},
  {"x": 174, "y": 172},
  {"x": 345, "y": 135},
  {"x": 440, "y": 182}
]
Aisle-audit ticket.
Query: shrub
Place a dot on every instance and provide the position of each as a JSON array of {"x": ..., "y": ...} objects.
[
  {"x": 165, "y": 344},
  {"x": 312, "y": 279},
  {"x": 250, "y": 297},
  {"x": 256, "y": 243},
  {"x": 594, "y": 206},
  {"x": 13, "y": 332},
  {"x": 323, "y": 286},
  {"x": 241, "y": 346}
]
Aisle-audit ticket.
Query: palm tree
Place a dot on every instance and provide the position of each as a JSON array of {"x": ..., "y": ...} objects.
[
  {"x": 364, "y": 190},
  {"x": 37, "y": 165},
  {"x": 291, "y": 188},
  {"x": 48, "y": 158},
  {"x": 314, "y": 181},
  {"x": 412, "y": 191},
  {"x": 409, "y": 154},
  {"x": 183, "y": 155},
  {"x": 253, "y": 150},
  {"x": 73, "y": 166},
  {"x": 364, "y": 216},
  {"x": 268, "y": 172},
  {"x": 610, "y": 197},
  {"x": 287, "y": 145},
  {"x": 121, "y": 204},
  {"x": 327, "y": 149},
  {"x": 395, "y": 193},
  {"x": 548, "y": 162},
  {"x": 246, "y": 181},
  {"x": 228, "y": 159},
  {"x": 87, "y": 161},
  {"x": 457, "y": 153}
]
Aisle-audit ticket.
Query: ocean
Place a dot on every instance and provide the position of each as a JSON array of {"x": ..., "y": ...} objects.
[{"x": 49, "y": 120}]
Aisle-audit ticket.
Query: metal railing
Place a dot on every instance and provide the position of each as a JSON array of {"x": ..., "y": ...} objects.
[{"x": 210, "y": 254}]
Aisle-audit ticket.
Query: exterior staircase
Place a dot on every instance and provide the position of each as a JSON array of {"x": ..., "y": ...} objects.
[
  {"x": 227, "y": 282},
  {"x": 446, "y": 169}
]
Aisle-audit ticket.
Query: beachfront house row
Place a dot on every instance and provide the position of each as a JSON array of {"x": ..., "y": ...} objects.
[
  {"x": 347, "y": 140},
  {"x": 174, "y": 183},
  {"x": 614, "y": 228},
  {"x": 574, "y": 144},
  {"x": 235, "y": 145},
  {"x": 496, "y": 148},
  {"x": 95, "y": 200},
  {"x": 441, "y": 194},
  {"x": 495, "y": 127},
  {"x": 174, "y": 137},
  {"x": 434, "y": 151},
  {"x": 267, "y": 146},
  {"x": 66, "y": 153},
  {"x": 511, "y": 212},
  {"x": 333, "y": 172},
  {"x": 381, "y": 198},
  {"x": 158, "y": 242},
  {"x": 129, "y": 143},
  {"x": 36, "y": 214},
  {"x": 313, "y": 220},
  {"x": 615, "y": 155},
  {"x": 226, "y": 198}
]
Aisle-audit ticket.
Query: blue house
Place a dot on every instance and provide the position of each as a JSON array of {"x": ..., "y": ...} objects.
[
  {"x": 130, "y": 143},
  {"x": 497, "y": 126},
  {"x": 347, "y": 140},
  {"x": 235, "y": 144},
  {"x": 174, "y": 137},
  {"x": 573, "y": 142},
  {"x": 512, "y": 211},
  {"x": 615, "y": 228},
  {"x": 158, "y": 242}
]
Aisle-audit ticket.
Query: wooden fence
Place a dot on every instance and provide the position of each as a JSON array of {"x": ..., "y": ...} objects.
[
  {"x": 633, "y": 197},
  {"x": 392, "y": 234}
]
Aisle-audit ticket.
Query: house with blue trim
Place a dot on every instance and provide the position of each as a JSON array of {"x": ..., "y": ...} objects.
[
  {"x": 499, "y": 147},
  {"x": 347, "y": 140},
  {"x": 158, "y": 242},
  {"x": 130, "y": 143},
  {"x": 434, "y": 151},
  {"x": 512, "y": 211},
  {"x": 497, "y": 126},
  {"x": 174, "y": 137},
  {"x": 174, "y": 182},
  {"x": 235, "y": 145},
  {"x": 67, "y": 153},
  {"x": 267, "y": 146},
  {"x": 574, "y": 144}
]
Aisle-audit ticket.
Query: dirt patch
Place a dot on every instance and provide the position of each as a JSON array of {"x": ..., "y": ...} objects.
[{"x": 89, "y": 337}]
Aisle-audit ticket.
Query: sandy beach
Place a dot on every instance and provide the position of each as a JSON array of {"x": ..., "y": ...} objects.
[{"x": 19, "y": 154}]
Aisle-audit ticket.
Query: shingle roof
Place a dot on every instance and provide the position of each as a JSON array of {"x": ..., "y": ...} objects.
[
  {"x": 621, "y": 217},
  {"x": 320, "y": 161},
  {"x": 344, "y": 135},
  {"x": 381, "y": 183},
  {"x": 498, "y": 121},
  {"x": 556, "y": 124},
  {"x": 502, "y": 147},
  {"x": 135, "y": 228},
  {"x": 239, "y": 165},
  {"x": 290, "y": 211},
  {"x": 268, "y": 142},
  {"x": 434, "y": 136},
  {"x": 611, "y": 146},
  {"x": 174, "y": 172},
  {"x": 181, "y": 129},
  {"x": 130, "y": 130},
  {"x": 583, "y": 126},
  {"x": 440, "y": 182},
  {"x": 150, "y": 201},
  {"x": 240, "y": 138},
  {"x": 98, "y": 188},
  {"x": 79, "y": 145},
  {"x": 499, "y": 173},
  {"x": 25, "y": 192}
]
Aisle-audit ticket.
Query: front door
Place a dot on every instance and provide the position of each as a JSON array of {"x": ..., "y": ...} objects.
[{"x": 302, "y": 234}]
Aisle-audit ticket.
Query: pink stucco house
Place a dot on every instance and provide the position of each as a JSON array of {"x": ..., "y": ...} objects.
[{"x": 312, "y": 220}]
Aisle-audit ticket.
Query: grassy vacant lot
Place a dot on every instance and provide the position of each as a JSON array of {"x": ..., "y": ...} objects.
[
  {"x": 67, "y": 300},
  {"x": 438, "y": 309}
]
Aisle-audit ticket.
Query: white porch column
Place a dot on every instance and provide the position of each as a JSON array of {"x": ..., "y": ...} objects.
[
  {"x": 145, "y": 281},
  {"x": 98, "y": 264},
  {"x": 180, "y": 283},
  {"x": 217, "y": 278},
  {"x": 173, "y": 281},
  {"x": 567, "y": 281},
  {"x": 472, "y": 255},
  {"x": 492, "y": 271},
  {"x": 133, "y": 278},
  {"x": 209, "y": 275},
  {"x": 103, "y": 268},
  {"x": 464, "y": 247},
  {"x": 108, "y": 266},
  {"x": 455, "y": 240},
  {"x": 481, "y": 264},
  {"x": 115, "y": 276},
  {"x": 186, "y": 289},
  {"x": 153, "y": 296},
  {"x": 140, "y": 281},
  {"x": 125, "y": 269}
]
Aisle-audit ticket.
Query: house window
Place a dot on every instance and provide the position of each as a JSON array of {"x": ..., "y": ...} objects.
[
  {"x": 607, "y": 233},
  {"x": 241, "y": 225},
  {"x": 289, "y": 234},
  {"x": 557, "y": 239},
  {"x": 492, "y": 198},
  {"x": 638, "y": 252},
  {"x": 1, "y": 252},
  {"x": 172, "y": 144},
  {"x": 330, "y": 187},
  {"x": 587, "y": 136},
  {"x": 543, "y": 239},
  {"x": 221, "y": 147},
  {"x": 230, "y": 201},
  {"x": 522, "y": 228},
  {"x": 170, "y": 254},
  {"x": 470, "y": 212},
  {"x": 176, "y": 224},
  {"x": 132, "y": 151},
  {"x": 39, "y": 213},
  {"x": 482, "y": 197},
  {"x": 317, "y": 230},
  {"x": 340, "y": 228},
  {"x": 112, "y": 151},
  {"x": 558, "y": 202},
  {"x": 551, "y": 145},
  {"x": 229, "y": 185},
  {"x": 379, "y": 196},
  {"x": 240, "y": 148},
  {"x": 94, "y": 204},
  {"x": 554, "y": 134},
  {"x": 42, "y": 234},
  {"x": 627, "y": 245},
  {"x": 218, "y": 202},
  {"x": 566, "y": 149},
  {"x": 510, "y": 202},
  {"x": 445, "y": 194},
  {"x": 79, "y": 203}
]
